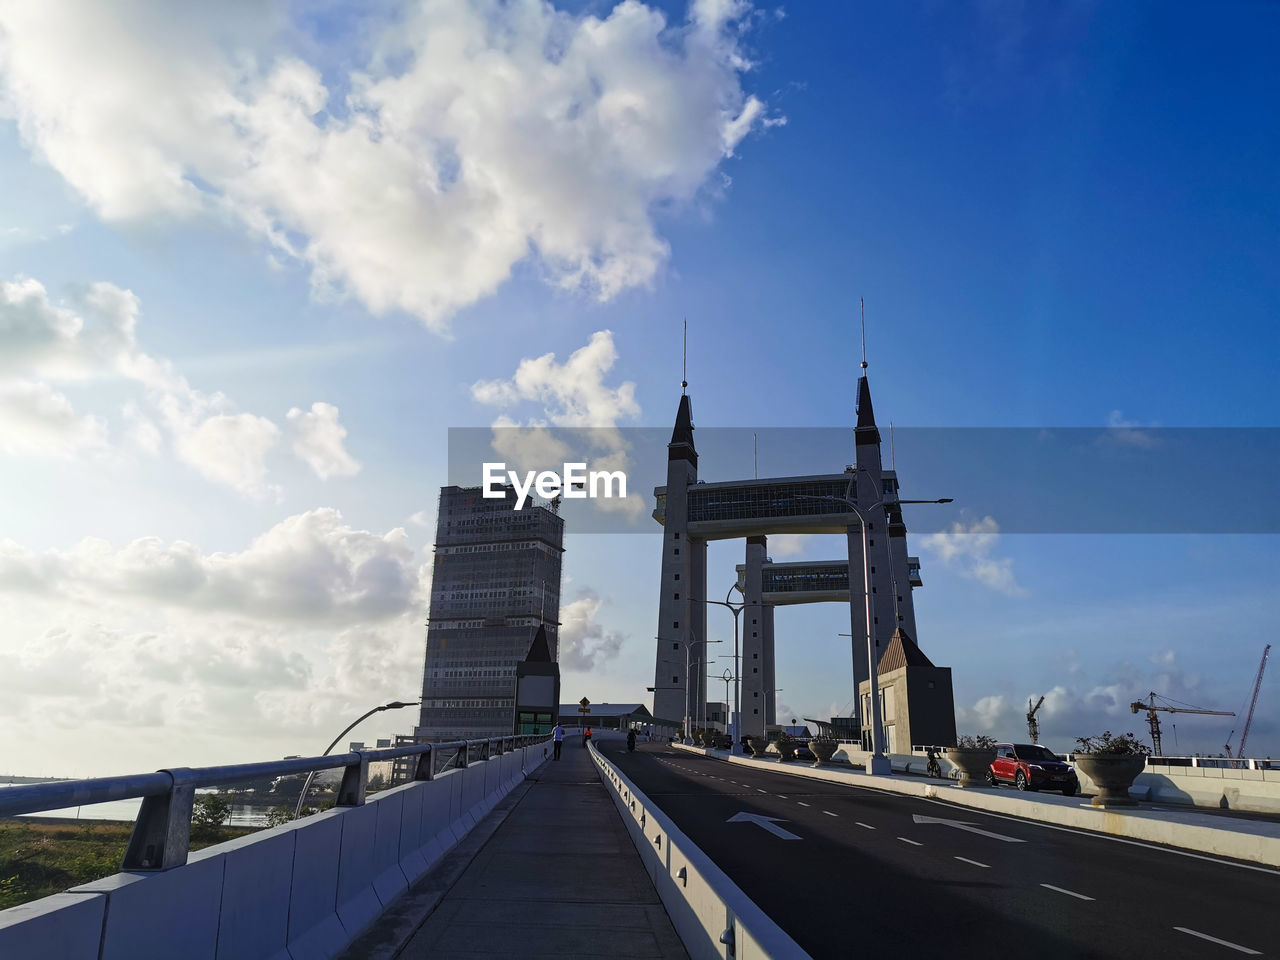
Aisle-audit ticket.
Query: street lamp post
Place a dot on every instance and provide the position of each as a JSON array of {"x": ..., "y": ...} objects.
[
  {"x": 393, "y": 705},
  {"x": 736, "y": 609},
  {"x": 878, "y": 763}
]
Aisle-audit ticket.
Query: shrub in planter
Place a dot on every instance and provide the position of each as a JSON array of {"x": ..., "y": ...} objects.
[
  {"x": 822, "y": 750},
  {"x": 972, "y": 756},
  {"x": 786, "y": 746},
  {"x": 759, "y": 746},
  {"x": 1112, "y": 763}
]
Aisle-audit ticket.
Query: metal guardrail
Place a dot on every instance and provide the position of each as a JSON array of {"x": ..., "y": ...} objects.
[{"x": 161, "y": 835}]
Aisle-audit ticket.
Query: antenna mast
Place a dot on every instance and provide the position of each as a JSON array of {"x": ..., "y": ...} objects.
[
  {"x": 863, "y": 305},
  {"x": 755, "y": 451},
  {"x": 684, "y": 363}
]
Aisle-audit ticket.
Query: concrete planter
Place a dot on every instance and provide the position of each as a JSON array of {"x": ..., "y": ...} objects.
[
  {"x": 972, "y": 763},
  {"x": 759, "y": 746},
  {"x": 1113, "y": 774},
  {"x": 787, "y": 749},
  {"x": 822, "y": 750}
]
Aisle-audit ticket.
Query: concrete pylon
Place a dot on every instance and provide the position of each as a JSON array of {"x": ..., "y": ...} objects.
[
  {"x": 756, "y": 671},
  {"x": 682, "y": 621}
]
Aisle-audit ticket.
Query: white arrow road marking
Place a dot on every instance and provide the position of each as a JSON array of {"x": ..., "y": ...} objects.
[
  {"x": 762, "y": 821},
  {"x": 965, "y": 825}
]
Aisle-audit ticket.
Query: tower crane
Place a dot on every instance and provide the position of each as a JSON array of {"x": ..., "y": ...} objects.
[
  {"x": 1153, "y": 720},
  {"x": 1033, "y": 725},
  {"x": 1248, "y": 720}
]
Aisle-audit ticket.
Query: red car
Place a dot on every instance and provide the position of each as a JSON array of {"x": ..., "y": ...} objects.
[{"x": 1029, "y": 766}]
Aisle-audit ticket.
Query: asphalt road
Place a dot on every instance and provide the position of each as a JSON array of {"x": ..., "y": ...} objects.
[{"x": 868, "y": 870}]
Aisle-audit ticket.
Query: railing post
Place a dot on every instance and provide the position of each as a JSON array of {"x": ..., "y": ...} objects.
[
  {"x": 462, "y": 758},
  {"x": 162, "y": 833},
  {"x": 351, "y": 790},
  {"x": 425, "y": 769}
]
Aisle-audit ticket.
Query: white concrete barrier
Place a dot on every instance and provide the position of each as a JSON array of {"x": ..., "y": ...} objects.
[
  {"x": 712, "y": 915},
  {"x": 63, "y": 925},
  {"x": 302, "y": 891}
]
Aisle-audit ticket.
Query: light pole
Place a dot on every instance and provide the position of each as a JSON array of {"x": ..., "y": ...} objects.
[
  {"x": 393, "y": 705},
  {"x": 736, "y": 609},
  {"x": 687, "y": 644},
  {"x": 726, "y": 677},
  {"x": 878, "y": 763}
]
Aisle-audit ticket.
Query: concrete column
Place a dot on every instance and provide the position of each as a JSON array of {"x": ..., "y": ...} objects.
[
  {"x": 770, "y": 667},
  {"x": 755, "y": 689},
  {"x": 857, "y": 614}
]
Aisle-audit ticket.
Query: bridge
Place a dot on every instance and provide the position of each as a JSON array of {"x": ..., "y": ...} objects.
[{"x": 493, "y": 849}]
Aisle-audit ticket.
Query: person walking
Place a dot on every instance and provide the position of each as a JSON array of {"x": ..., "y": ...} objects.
[{"x": 557, "y": 737}]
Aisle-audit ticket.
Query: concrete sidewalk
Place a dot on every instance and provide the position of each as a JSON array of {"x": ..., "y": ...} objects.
[{"x": 551, "y": 872}]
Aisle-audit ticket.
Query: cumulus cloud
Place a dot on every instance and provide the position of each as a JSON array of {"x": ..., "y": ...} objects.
[
  {"x": 969, "y": 550},
  {"x": 584, "y": 642},
  {"x": 94, "y": 335},
  {"x": 466, "y": 137},
  {"x": 308, "y": 567},
  {"x": 788, "y": 544},
  {"x": 1131, "y": 433},
  {"x": 37, "y": 421},
  {"x": 318, "y": 440},
  {"x": 570, "y": 395}
]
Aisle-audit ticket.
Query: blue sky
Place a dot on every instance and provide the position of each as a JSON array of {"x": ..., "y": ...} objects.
[{"x": 1058, "y": 217}]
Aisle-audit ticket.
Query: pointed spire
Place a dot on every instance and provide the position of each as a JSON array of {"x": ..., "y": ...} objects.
[
  {"x": 866, "y": 432},
  {"x": 540, "y": 649},
  {"x": 681, "y": 446}
]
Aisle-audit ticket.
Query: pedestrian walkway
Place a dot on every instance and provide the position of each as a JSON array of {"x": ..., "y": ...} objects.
[{"x": 559, "y": 876}]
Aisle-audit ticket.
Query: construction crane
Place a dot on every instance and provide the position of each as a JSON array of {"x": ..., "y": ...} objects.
[
  {"x": 1248, "y": 720},
  {"x": 1033, "y": 725},
  {"x": 1153, "y": 719}
]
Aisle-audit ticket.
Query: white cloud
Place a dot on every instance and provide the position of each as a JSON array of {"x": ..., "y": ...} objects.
[
  {"x": 318, "y": 441},
  {"x": 584, "y": 642},
  {"x": 469, "y": 136},
  {"x": 311, "y": 566},
  {"x": 788, "y": 544},
  {"x": 1130, "y": 432},
  {"x": 968, "y": 549},
  {"x": 571, "y": 395},
  {"x": 94, "y": 335},
  {"x": 37, "y": 421}
]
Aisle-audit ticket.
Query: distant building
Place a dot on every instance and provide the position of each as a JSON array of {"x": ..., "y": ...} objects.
[{"x": 496, "y": 581}]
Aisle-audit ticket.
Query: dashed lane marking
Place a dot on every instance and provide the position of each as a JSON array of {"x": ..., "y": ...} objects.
[
  {"x": 802, "y": 803},
  {"x": 914, "y": 843},
  {"x": 830, "y": 814},
  {"x": 865, "y": 826},
  {"x": 1069, "y": 893},
  {"x": 1223, "y": 943},
  {"x": 984, "y": 866}
]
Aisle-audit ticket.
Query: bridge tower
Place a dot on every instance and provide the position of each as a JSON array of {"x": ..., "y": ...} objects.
[{"x": 682, "y": 622}]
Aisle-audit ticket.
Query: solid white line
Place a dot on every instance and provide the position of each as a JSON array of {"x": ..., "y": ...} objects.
[
  {"x": 1069, "y": 893},
  {"x": 830, "y": 814},
  {"x": 865, "y": 826},
  {"x": 984, "y": 866},
  {"x": 1223, "y": 943},
  {"x": 802, "y": 803}
]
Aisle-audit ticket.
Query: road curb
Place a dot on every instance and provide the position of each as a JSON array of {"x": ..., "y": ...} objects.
[{"x": 1251, "y": 841}]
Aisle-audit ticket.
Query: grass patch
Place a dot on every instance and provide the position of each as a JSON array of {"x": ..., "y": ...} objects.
[{"x": 39, "y": 858}]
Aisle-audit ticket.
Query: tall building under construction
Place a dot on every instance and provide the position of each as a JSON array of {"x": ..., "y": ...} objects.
[{"x": 495, "y": 581}]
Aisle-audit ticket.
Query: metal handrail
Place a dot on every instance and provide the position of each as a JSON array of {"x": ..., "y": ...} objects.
[{"x": 162, "y": 832}]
